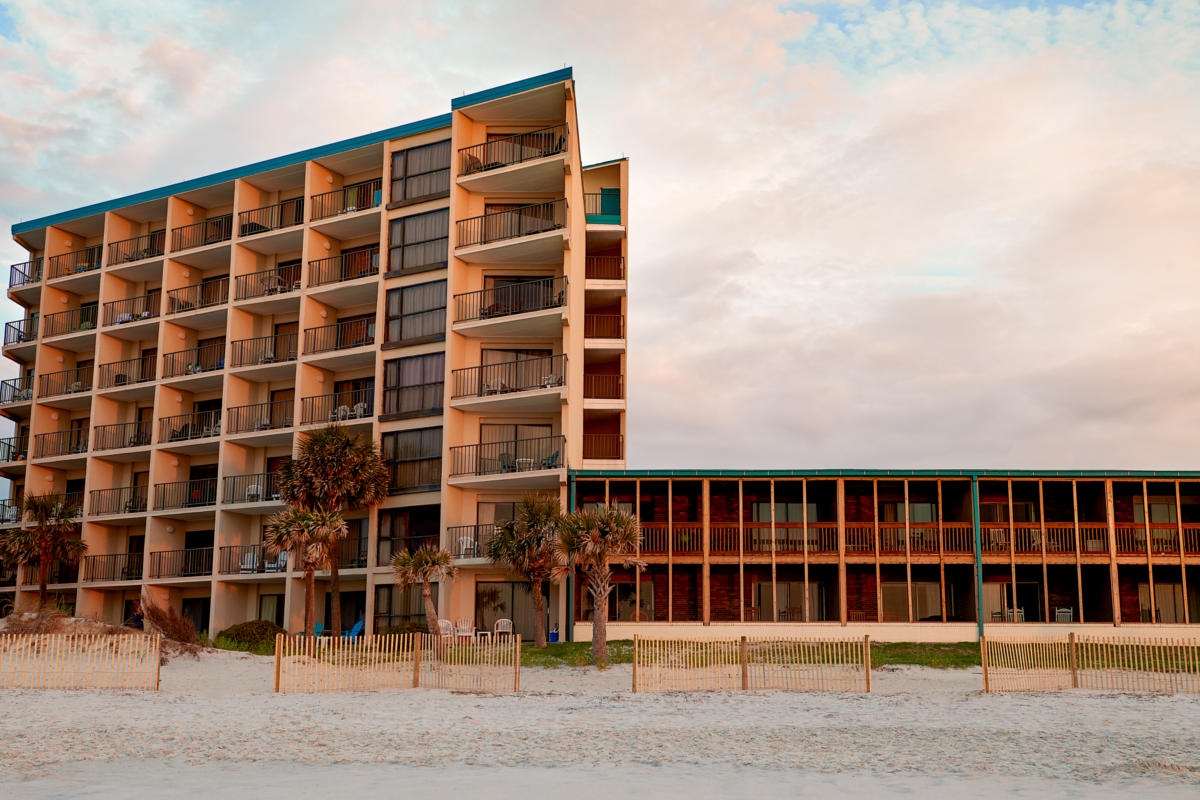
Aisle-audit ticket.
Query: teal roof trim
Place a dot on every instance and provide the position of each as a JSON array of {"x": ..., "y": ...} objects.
[
  {"x": 429, "y": 124},
  {"x": 606, "y": 163},
  {"x": 516, "y": 87},
  {"x": 881, "y": 473}
]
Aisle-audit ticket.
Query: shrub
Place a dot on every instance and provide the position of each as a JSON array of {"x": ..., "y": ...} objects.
[
  {"x": 168, "y": 622},
  {"x": 251, "y": 635}
]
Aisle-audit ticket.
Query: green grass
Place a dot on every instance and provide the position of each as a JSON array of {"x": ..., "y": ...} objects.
[
  {"x": 573, "y": 654},
  {"x": 261, "y": 649}
]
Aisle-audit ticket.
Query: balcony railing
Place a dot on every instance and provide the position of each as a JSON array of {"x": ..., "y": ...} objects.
[
  {"x": 115, "y": 567},
  {"x": 195, "y": 562},
  {"x": 519, "y": 455},
  {"x": 67, "y": 381},
  {"x": 517, "y": 298},
  {"x": 423, "y": 399},
  {"x": 24, "y": 274},
  {"x": 261, "y": 416},
  {"x": 21, "y": 331},
  {"x": 499, "y": 226},
  {"x": 545, "y": 372},
  {"x": 345, "y": 267},
  {"x": 512, "y": 149},
  {"x": 279, "y": 280},
  {"x": 263, "y": 350},
  {"x": 198, "y": 234},
  {"x": 272, "y": 217},
  {"x": 352, "y": 553},
  {"x": 72, "y": 501},
  {"x": 350, "y": 198},
  {"x": 604, "y": 326},
  {"x": 198, "y": 295},
  {"x": 121, "y": 500},
  {"x": 470, "y": 541},
  {"x": 342, "y": 335},
  {"x": 194, "y": 360},
  {"x": 337, "y": 407},
  {"x": 131, "y": 370},
  {"x": 150, "y": 245},
  {"x": 247, "y": 559},
  {"x": 10, "y": 513},
  {"x": 14, "y": 448},
  {"x": 610, "y": 446},
  {"x": 73, "y": 320},
  {"x": 603, "y": 208},
  {"x": 79, "y": 261},
  {"x": 185, "y": 494},
  {"x": 60, "y": 572},
  {"x": 60, "y": 443},
  {"x": 604, "y": 268},
  {"x": 185, "y": 427},
  {"x": 256, "y": 487},
  {"x": 121, "y": 435},
  {"x": 16, "y": 390},
  {"x": 604, "y": 387},
  {"x": 133, "y": 309}
]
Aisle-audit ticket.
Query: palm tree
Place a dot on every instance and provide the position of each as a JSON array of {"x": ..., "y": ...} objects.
[
  {"x": 51, "y": 537},
  {"x": 306, "y": 533},
  {"x": 591, "y": 540},
  {"x": 424, "y": 566},
  {"x": 339, "y": 472},
  {"x": 526, "y": 545}
]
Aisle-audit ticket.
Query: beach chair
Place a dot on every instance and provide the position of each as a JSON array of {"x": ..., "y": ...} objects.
[
  {"x": 464, "y": 629},
  {"x": 466, "y": 547},
  {"x": 318, "y": 628},
  {"x": 250, "y": 562},
  {"x": 356, "y": 631},
  {"x": 253, "y": 493},
  {"x": 504, "y": 627},
  {"x": 446, "y": 628},
  {"x": 1064, "y": 614}
]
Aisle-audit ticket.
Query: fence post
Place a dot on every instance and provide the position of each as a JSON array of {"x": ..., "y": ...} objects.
[
  {"x": 278, "y": 658},
  {"x": 635, "y": 662},
  {"x": 867, "y": 660},
  {"x": 983, "y": 659},
  {"x": 416, "y": 651},
  {"x": 744, "y": 657},
  {"x": 517, "y": 664},
  {"x": 157, "y": 662},
  {"x": 1074, "y": 660}
]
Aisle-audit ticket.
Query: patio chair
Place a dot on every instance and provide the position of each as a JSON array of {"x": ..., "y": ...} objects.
[
  {"x": 446, "y": 628},
  {"x": 550, "y": 461},
  {"x": 318, "y": 628},
  {"x": 341, "y": 412},
  {"x": 464, "y": 629},
  {"x": 1064, "y": 614},
  {"x": 360, "y": 410},
  {"x": 504, "y": 627},
  {"x": 250, "y": 562},
  {"x": 466, "y": 547},
  {"x": 1020, "y": 615},
  {"x": 356, "y": 631},
  {"x": 278, "y": 565},
  {"x": 508, "y": 462},
  {"x": 124, "y": 317},
  {"x": 253, "y": 493}
]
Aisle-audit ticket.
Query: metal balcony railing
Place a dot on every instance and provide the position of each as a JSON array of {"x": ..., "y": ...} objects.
[
  {"x": 115, "y": 567},
  {"x": 519, "y": 455},
  {"x": 279, "y": 280},
  {"x": 337, "y": 407},
  {"x": 25, "y": 273},
  {"x": 604, "y": 268},
  {"x": 261, "y": 417},
  {"x": 133, "y": 309},
  {"x": 198, "y": 295},
  {"x": 604, "y": 326},
  {"x": 150, "y": 245},
  {"x": 72, "y": 501},
  {"x": 10, "y": 513},
  {"x": 185, "y": 494},
  {"x": 470, "y": 541},
  {"x": 263, "y": 350},
  {"x": 345, "y": 267},
  {"x": 504, "y": 152},
  {"x": 607, "y": 446},
  {"x": 67, "y": 381},
  {"x": 604, "y": 387},
  {"x": 185, "y": 427},
  {"x": 194, "y": 360},
  {"x": 181, "y": 563},
  {"x": 60, "y": 572},
  {"x": 350, "y": 198},
  {"x": 520, "y": 375},
  {"x": 352, "y": 553},
  {"x": 16, "y": 390},
  {"x": 246, "y": 559},
  {"x": 14, "y": 448},
  {"x": 21, "y": 331},
  {"x": 513, "y": 298},
  {"x": 273, "y": 217},
  {"x": 198, "y": 234},
  {"x": 341, "y": 335},
  {"x": 602, "y": 207},
  {"x": 73, "y": 320},
  {"x": 60, "y": 443},
  {"x": 255, "y": 487},
  {"x": 499, "y": 226},
  {"x": 131, "y": 370},
  {"x": 121, "y": 435},
  {"x": 79, "y": 261},
  {"x": 121, "y": 500}
]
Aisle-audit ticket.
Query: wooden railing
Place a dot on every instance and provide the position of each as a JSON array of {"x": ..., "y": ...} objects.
[
  {"x": 1106, "y": 663},
  {"x": 1131, "y": 539},
  {"x": 1093, "y": 538},
  {"x": 70, "y": 661}
]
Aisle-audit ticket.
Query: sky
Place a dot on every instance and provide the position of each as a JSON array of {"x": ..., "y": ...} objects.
[{"x": 862, "y": 234}]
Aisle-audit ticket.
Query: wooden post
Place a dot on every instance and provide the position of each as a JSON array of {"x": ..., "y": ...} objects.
[
  {"x": 841, "y": 520},
  {"x": 1113, "y": 576},
  {"x": 416, "y": 656},
  {"x": 741, "y": 553},
  {"x": 670, "y": 552},
  {"x": 745, "y": 659},
  {"x": 1149, "y": 550},
  {"x": 941, "y": 549},
  {"x": 875, "y": 527},
  {"x": 637, "y": 572},
  {"x": 1012, "y": 551},
  {"x": 774, "y": 589},
  {"x": 1187, "y": 616},
  {"x": 1074, "y": 660},
  {"x": 278, "y": 658},
  {"x": 1042, "y": 537},
  {"x": 517, "y": 663},
  {"x": 804, "y": 533},
  {"x": 636, "y": 639},
  {"x": 867, "y": 660},
  {"x": 706, "y": 553},
  {"x": 1078, "y": 548},
  {"x": 908, "y": 551},
  {"x": 983, "y": 659}
]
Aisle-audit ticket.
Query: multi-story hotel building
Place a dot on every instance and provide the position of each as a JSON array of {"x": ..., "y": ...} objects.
[{"x": 453, "y": 288}]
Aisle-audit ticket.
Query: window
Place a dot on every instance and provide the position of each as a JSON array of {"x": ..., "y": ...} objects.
[
  {"x": 622, "y": 603},
  {"x": 491, "y": 432},
  {"x": 416, "y": 314},
  {"x": 893, "y": 511},
  {"x": 419, "y": 243},
  {"x": 420, "y": 173},
  {"x": 413, "y": 387},
  {"x": 399, "y": 608},
  {"x": 784, "y": 512},
  {"x": 1023, "y": 511},
  {"x": 1162, "y": 510},
  {"x": 403, "y": 530},
  {"x": 414, "y": 459}
]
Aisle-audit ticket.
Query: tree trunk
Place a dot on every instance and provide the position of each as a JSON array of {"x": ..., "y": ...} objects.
[
  {"x": 335, "y": 590},
  {"x": 600, "y": 626},
  {"x": 43, "y": 579},
  {"x": 539, "y": 613},
  {"x": 431, "y": 615},
  {"x": 310, "y": 602}
]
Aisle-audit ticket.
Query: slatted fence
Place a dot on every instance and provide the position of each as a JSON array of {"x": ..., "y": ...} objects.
[
  {"x": 77, "y": 661},
  {"x": 1108, "y": 663},
  {"x": 715, "y": 665},
  {"x": 396, "y": 661}
]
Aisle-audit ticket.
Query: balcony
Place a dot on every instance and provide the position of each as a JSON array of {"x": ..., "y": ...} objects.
[
  {"x": 139, "y": 248},
  {"x": 61, "y": 572},
  {"x": 261, "y": 488},
  {"x": 263, "y": 351},
  {"x": 112, "y": 568},
  {"x": 527, "y": 463},
  {"x": 133, "y": 309},
  {"x": 72, "y": 501},
  {"x": 67, "y": 381},
  {"x": 603, "y": 207},
  {"x": 520, "y": 386},
  {"x": 524, "y": 162},
  {"x": 60, "y": 443},
  {"x": 23, "y": 331},
  {"x": 77, "y": 262},
  {"x": 185, "y": 494},
  {"x": 349, "y": 199},
  {"x": 250, "y": 559},
  {"x": 10, "y": 514},
  {"x": 200, "y": 234},
  {"x": 193, "y": 563},
  {"x": 16, "y": 390},
  {"x": 13, "y": 449},
  {"x": 188, "y": 427},
  {"x": 604, "y": 268},
  {"x": 27, "y": 273},
  {"x": 470, "y": 541},
  {"x": 267, "y": 283},
  {"x": 345, "y": 267},
  {"x": 341, "y": 336},
  {"x": 682, "y": 538},
  {"x": 195, "y": 361},
  {"x": 208, "y": 294},
  {"x": 122, "y": 435},
  {"x": 603, "y": 447},
  {"x": 261, "y": 418},
  {"x": 603, "y": 387},
  {"x": 129, "y": 372},
  {"x": 121, "y": 500},
  {"x": 338, "y": 407},
  {"x": 604, "y": 326},
  {"x": 352, "y": 553},
  {"x": 73, "y": 320},
  {"x": 531, "y": 308},
  {"x": 277, "y": 216},
  {"x": 532, "y": 234}
]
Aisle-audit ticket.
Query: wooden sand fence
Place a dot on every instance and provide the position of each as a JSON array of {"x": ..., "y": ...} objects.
[
  {"x": 396, "y": 661},
  {"x": 747, "y": 663},
  {"x": 1107, "y": 663},
  {"x": 79, "y": 661}
]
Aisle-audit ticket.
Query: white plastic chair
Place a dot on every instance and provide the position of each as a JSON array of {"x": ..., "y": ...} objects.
[
  {"x": 464, "y": 629},
  {"x": 1064, "y": 614},
  {"x": 250, "y": 562},
  {"x": 360, "y": 410},
  {"x": 253, "y": 493},
  {"x": 504, "y": 627},
  {"x": 446, "y": 628},
  {"x": 466, "y": 547}
]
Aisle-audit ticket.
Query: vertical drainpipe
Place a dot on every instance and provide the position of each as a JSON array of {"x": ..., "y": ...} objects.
[
  {"x": 978, "y": 554},
  {"x": 569, "y": 624}
]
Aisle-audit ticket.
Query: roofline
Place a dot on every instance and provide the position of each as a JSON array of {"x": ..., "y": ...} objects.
[
  {"x": 606, "y": 163},
  {"x": 516, "y": 87},
  {"x": 880, "y": 473}
]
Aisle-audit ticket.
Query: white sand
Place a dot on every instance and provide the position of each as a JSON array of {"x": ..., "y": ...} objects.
[{"x": 216, "y": 725}]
